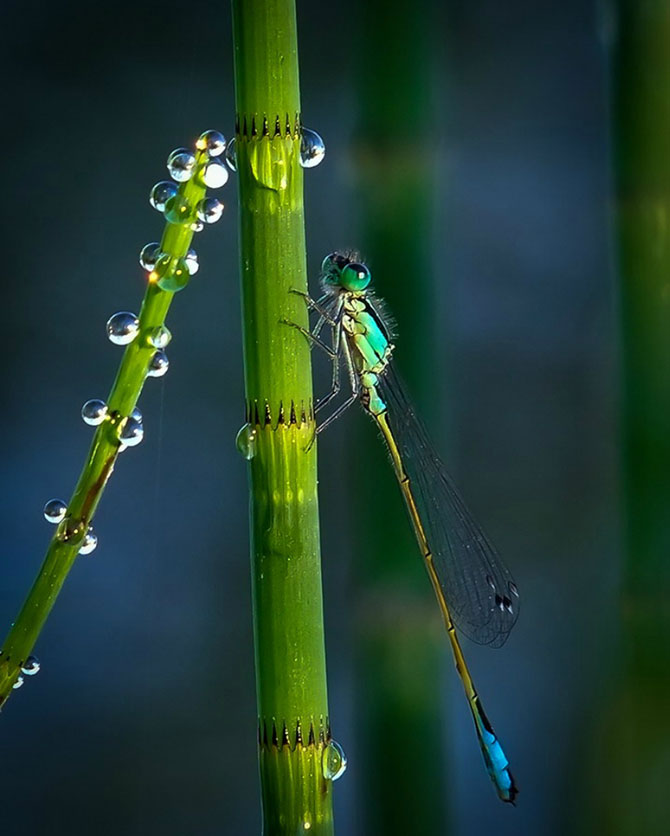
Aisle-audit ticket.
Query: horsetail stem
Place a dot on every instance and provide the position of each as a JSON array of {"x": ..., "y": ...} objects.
[
  {"x": 169, "y": 266},
  {"x": 294, "y": 732}
]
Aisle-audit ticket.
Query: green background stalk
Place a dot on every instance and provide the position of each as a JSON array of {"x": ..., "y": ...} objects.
[
  {"x": 635, "y": 737},
  {"x": 105, "y": 448},
  {"x": 401, "y": 648},
  {"x": 285, "y": 554}
]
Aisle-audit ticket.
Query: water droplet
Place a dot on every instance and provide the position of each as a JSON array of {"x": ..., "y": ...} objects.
[
  {"x": 197, "y": 226},
  {"x": 513, "y": 589},
  {"x": 89, "y": 543},
  {"x": 180, "y": 164},
  {"x": 31, "y": 666},
  {"x": 209, "y": 210},
  {"x": 150, "y": 255},
  {"x": 499, "y": 602},
  {"x": 214, "y": 174},
  {"x": 333, "y": 761},
  {"x": 192, "y": 261},
  {"x": 490, "y": 582},
  {"x": 312, "y": 148},
  {"x": 94, "y": 412},
  {"x": 171, "y": 273},
  {"x": 231, "y": 157},
  {"x": 122, "y": 327},
  {"x": 178, "y": 210},
  {"x": 161, "y": 193},
  {"x": 246, "y": 441},
  {"x": 55, "y": 511},
  {"x": 132, "y": 432},
  {"x": 213, "y": 142},
  {"x": 159, "y": 365},
  {"x": 159, "y": 337},
  {"x": 507, "y": 604},
  {"x": 136, "y": 414},
  {"x": 18, "y": 683}
]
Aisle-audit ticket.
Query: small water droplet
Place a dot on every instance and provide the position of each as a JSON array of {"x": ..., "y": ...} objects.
[
  {"x": 55, "y": 511},
  {"x": 499, "y": 602},
  {"x": 89, "y": 543},
  {"x": 150, "y": 255},
  {"x": 246, "y": 441},
  {"x": 122, "y": 327},
  {"x": 158, "y": 365},
  {"x": 214, "y": 142},
  {"x": 214, "y": 174},
  {"x": 31, "y": 666},
  {"x": 161, "y": 193},
  {"x": 513, "y": 589},
  {"x": 171, "y": 273},
  {"x": 490, "y": 582},
  {"x": 312, "y": 148},
  {"x": 333, "y": 761},
  {"x": 132, "y": 432},
  {"x": 180, "y": 164},
  {"x": 18, "y": 683},
  {"x": 136, "y": 414},
  {"x": 197, "y": 226},
  {"x": 159, "y": 337},
  {"x": 94, "y": 412},
  {"x": 231, "y": 157},
  {"x": 192, "y": 261},
  {"x": 178, "y": 210},
  {"x": 209, "y": 210}
]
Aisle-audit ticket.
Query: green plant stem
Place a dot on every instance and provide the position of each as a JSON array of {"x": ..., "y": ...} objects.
[
  {"x": 635, "y": 737},
  {"x": 286, "y": 570},
  {"x": 101, "y": 459},
  {"x": 400, "y": 651}
]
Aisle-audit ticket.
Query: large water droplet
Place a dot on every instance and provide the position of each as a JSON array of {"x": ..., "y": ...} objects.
[
  {"x": 171, "y": 273},
  {"x": 149, "y": 255},
  {"x": 178, "y": 210},
  {"x": 132, "y": 432},
  {"x": 122, "y": 327},
  {"x": 246, "y": 441},
  {"x": 214, "y": 174},
  {"x": 210, "y": 210},
  {"x": 231, "y": 157},
  {"x": 333, "y": 761},
  {"x": 161, "y": 193},
  {"x": 312, "y": 148},
  {"x": 159, "y": 337},
  {"x": 89, "y": 543},
  {"x": 94, "y": 412},
  {"x": 31, "y": 666},
  {"x": 180, "y": 164},
  {"x": 214, "y": 142},
  {"x": 158, "y": 365},
  {"x": 55, "y": 511},
  {"x": 18, "y": 683}
]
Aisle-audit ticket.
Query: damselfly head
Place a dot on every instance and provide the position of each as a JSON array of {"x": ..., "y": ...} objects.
[{"x": 345, "y": 271}]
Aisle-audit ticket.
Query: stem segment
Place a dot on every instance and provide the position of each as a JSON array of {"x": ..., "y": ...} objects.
[{"x": 286, "y": 570}]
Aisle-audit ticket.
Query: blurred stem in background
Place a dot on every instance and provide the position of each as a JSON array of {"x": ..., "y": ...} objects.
[
  {"x": 632, "y": 791},
  {"x": 399, "y": 638},
  {"x": 294, "y": 734}
]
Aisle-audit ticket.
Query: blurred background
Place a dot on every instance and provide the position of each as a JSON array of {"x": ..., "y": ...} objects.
[{"x": 468, "y": 156}]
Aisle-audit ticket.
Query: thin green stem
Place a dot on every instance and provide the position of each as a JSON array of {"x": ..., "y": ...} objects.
[
  {"x": 105, "y": 447},
  {"x": 286, "y": 572}
]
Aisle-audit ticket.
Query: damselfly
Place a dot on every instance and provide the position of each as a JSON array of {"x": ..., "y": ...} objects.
[{"x": 474, "y": 590}]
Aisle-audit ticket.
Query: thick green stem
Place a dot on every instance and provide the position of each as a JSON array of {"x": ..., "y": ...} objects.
[
  {"x": 105, "y": 448},
  {"x": 636, "y": 725},
  {"x": 400, "y": 649},
  {"x": 286, "y": 569}
]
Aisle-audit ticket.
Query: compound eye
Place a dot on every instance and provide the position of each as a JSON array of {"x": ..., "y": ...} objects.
[
  {"x": 355, "y": 276},
  {"x": 334, "y": 261}
]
